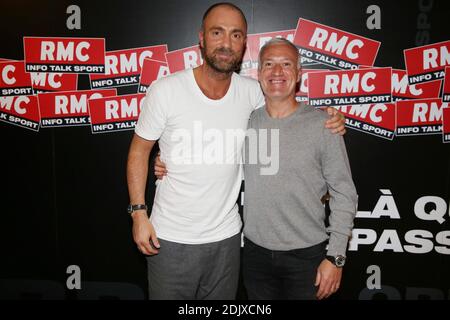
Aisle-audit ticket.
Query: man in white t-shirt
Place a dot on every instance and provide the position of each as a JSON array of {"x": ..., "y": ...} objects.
[{"x": 199, "y": 116}]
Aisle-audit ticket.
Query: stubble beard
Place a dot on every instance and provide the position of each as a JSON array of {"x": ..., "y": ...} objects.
[{"x": 221, "y": 66}]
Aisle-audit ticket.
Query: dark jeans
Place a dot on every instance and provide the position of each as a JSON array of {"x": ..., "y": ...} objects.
[{"x": 272, "y": 275}]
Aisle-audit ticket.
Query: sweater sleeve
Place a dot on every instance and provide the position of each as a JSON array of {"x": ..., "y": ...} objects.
[{"x": 343, "y": 196}]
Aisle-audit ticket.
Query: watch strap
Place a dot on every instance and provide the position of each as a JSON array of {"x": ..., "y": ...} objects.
[
  {"x": 139, "y": 207},
  {"x": 134, "y": 207}
]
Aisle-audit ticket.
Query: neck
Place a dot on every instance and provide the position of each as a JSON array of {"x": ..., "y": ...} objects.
[
  {"x": 213, "y": 84},
  {"x": 281, "y": 108}
]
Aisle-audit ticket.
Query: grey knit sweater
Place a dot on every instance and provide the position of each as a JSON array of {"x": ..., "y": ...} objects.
[{"x": 282, "y": 201}]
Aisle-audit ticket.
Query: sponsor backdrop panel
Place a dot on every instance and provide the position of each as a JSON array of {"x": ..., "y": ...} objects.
[
  {"x": 29, "y": 227},
  {"x": 64, "y": 186}
]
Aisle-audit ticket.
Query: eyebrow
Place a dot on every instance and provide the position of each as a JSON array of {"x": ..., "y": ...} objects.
[
  {"x": 275, "y": 58},
  {"x": 222, "y": 29},
  {"x": 217, "y": 28},
  {"x": 237, "y": 30}
]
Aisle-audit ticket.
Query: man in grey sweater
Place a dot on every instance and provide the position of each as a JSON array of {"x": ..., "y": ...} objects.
[{"x": 289, "y": 252}]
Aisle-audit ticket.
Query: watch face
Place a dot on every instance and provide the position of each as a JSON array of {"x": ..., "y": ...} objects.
[
  {"x": 340, "y": 261},
  {"x": 129, "y": 209}
]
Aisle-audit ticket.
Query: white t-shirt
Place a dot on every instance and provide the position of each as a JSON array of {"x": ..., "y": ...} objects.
[{"x": 201, "y": 144}]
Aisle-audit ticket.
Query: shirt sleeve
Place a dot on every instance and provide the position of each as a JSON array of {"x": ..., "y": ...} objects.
[
  {"x": 259, "y": 97},
  {"x": 153, "y": 117},
  {"x": 343, "y": 196}
]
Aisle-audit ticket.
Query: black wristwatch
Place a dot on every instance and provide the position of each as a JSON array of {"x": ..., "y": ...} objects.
[
  {"x": 133, "y": 207},
  {"x": 338, "y": 260}
]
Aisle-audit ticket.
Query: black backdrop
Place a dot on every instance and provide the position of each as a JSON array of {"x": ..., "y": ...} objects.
[{"x": 64, "y": 195}]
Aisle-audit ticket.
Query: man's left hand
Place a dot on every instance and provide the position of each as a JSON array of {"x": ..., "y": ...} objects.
[
  {"x": 328, "y": 279},
  {"x": 337, "y": 121}
]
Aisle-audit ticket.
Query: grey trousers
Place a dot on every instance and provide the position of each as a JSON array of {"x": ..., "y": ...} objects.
[{"x": 207, "y": 271}]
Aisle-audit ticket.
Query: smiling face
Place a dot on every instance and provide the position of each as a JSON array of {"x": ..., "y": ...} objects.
[
  {"x": 278, "y": 71},
  {"x": 222, "y": 39}
]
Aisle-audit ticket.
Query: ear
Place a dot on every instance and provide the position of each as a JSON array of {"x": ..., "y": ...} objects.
[
  {"x": 201, "y": 37},
  {"x": 299, "y": 75}
]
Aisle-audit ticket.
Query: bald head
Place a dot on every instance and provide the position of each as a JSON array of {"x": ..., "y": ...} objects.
[{"x": 222, "y": 5}]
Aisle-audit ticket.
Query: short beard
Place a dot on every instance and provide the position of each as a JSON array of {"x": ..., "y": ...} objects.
[{"x": 216, "y": 65}]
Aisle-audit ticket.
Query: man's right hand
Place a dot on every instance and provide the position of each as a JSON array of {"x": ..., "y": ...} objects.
[
  {"x": 144, "y": 234},
  {"x": 160, "y": 168}
]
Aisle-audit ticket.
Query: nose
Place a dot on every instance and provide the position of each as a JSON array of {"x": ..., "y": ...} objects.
[
  {"x": 227, "y": 41},
  {"x": 277, "y": 69}
]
